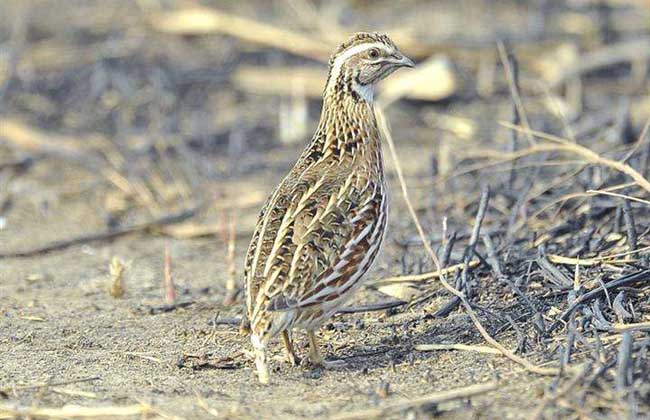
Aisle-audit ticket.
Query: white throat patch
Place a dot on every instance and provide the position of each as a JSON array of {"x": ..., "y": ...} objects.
[{"x": 367, "y": 92}]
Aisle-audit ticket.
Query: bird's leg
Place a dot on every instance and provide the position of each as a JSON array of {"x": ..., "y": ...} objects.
[
  {"x": 262, "y": 367},
  {"x": 288, "y": 347},
  {"x": 316, "y": 357}
]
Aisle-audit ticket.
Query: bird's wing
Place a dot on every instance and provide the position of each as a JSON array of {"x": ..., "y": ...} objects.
[
  {"x": 317, "y": 233},
  {"x": 330, "y": 263},
  {"x": 269, "y": 222}
]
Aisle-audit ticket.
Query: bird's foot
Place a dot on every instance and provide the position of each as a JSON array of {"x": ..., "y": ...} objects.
[{"x": 316, "y": 357}]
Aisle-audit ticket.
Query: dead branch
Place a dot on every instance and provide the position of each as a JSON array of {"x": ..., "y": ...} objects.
[
  {"x": 202, "y": 20},
  {"x": 103, "y": 236},
  {"x": 434, "y": 398}
]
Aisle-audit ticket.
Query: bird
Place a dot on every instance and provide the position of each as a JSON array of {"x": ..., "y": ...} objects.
[{"x": 321, "y": 228}]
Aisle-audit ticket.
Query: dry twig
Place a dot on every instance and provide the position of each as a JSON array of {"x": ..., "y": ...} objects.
[
  {"x": 103, "y": 236},
  {"x": 74, "y": 412},
  {"x": 435, "y": 398},
  {"x": 461, "y": 347}
]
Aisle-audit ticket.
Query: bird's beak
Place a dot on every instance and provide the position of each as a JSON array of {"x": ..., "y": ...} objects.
[{"x": 403, "y": 61}]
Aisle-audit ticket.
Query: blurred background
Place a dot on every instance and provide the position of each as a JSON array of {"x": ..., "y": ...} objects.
[
  {"x": 147, "y": 106},
  {"x": 143, "y": 137}
]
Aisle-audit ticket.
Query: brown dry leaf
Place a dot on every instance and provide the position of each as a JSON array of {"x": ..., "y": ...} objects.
[
  {"x": 401, "y": 291},
  {"x": 189, "y": 230}
]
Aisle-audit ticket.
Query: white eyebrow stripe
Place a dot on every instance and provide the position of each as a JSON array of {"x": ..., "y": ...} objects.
[{"x": 338, "y": 62}]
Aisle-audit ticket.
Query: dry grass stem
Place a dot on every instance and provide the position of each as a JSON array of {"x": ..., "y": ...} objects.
[
  {"x": 75, "y": 393},
  {"x": 514, "y": 89},
  {"x": 427, "y": 276},
  {"x": 587, "y": 154},
  {"x": 143, "y": 356},
  {"x": 169, "y": 286},
  {"x": 639, "y": 326},
  {"x": 47, "y": 384},
  {"x": 75, "y": 412},
  {"x": 231, "y": 281},
  {"x": 613, "y": 194},
  {"x": 559, "y": 259},
  {"x": 434, "y": 398}
]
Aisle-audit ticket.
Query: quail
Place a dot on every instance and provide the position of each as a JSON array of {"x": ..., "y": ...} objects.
[{"x": 321, "y": 228}]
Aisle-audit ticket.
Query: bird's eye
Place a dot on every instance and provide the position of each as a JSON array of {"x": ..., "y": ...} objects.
[{"x": 373, "y": 53}]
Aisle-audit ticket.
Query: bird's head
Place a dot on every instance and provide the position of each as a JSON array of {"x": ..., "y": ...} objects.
[{"x": 362, "y": 61}]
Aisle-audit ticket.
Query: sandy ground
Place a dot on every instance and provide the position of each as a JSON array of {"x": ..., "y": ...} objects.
[{"x": 60, "y": 324}]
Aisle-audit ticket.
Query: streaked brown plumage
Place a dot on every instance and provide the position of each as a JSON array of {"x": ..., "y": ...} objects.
[{"x": 321, "y": 229}]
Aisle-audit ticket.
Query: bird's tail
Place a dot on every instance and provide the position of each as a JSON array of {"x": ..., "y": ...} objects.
[{"x": 262, "y": 367}]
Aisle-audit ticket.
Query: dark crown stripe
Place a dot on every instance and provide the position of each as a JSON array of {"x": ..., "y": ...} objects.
[{"x": 360, "y": 38}]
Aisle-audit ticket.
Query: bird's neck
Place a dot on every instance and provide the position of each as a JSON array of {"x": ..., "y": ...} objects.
[
  {"x": 349, "y": 107},
  {"x": 347, "y": 123}
]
